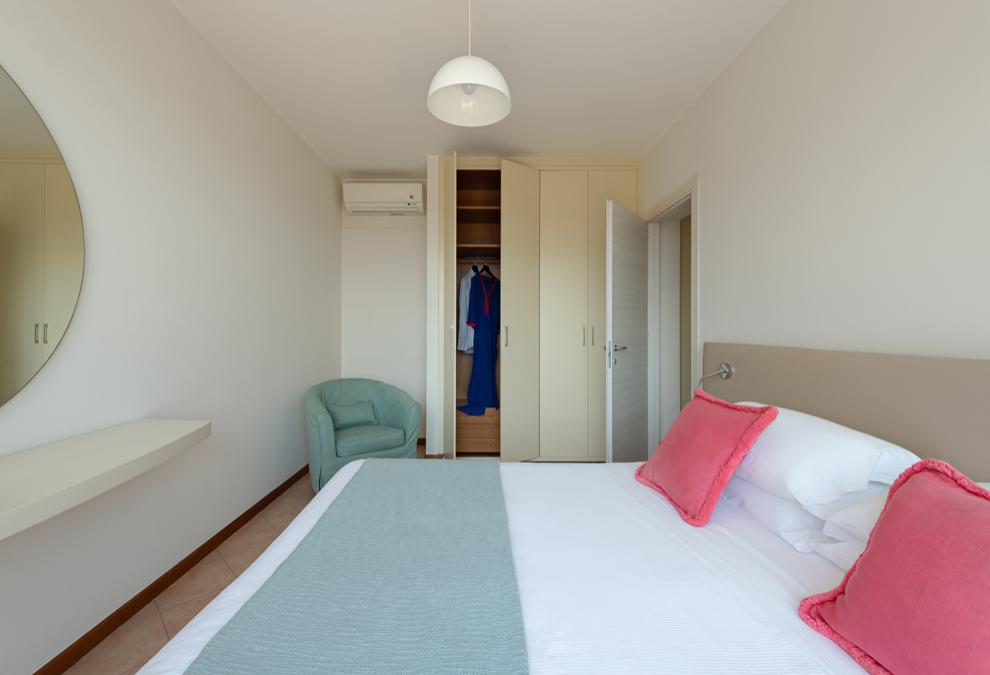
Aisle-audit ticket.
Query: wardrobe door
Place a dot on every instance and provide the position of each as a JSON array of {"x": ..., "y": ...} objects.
[
  {"x": 564, "y": 331},
  {"x": 63, "y": 254},
  {"x": 520, "y": 348},
  {"x": 620, "y": 187},
  {"x": 448, "y": 306},
  {"x": 22, "y": 264}
]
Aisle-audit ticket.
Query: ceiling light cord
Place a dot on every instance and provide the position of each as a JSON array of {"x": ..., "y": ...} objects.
[{"x": 469, "y": 27}]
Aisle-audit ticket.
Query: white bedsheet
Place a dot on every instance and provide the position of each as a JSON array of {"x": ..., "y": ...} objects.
[{"x": 612, "y": 581}]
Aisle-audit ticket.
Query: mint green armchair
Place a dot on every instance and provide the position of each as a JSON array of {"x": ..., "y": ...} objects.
[{"x": 354, "y": 418}]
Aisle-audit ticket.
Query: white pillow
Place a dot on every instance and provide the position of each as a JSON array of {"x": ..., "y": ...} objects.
[
  {"x": 784, "y": 517},
  {"x": 855, "y": 521},
  {"x": 826, "y": 511},
  {"x": 842, "y": 553},
  {"x": 817, "y": 462}
]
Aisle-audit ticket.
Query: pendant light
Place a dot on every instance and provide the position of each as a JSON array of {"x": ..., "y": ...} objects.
[{"x": 469, "y": 91}]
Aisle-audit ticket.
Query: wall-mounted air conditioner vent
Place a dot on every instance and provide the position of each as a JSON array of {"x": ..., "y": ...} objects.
[{"x": 383, "y": 198}]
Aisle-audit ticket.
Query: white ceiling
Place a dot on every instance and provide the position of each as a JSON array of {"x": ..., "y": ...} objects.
[{"x": 588, "y": 78}]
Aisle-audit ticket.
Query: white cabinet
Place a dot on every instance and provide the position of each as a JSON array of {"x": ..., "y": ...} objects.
[
  {"x": 564, "y": 330},
  {"x": 40, "y": 265},
  {"x": 22, "y": 269},
  {"x": 520, "y": 348},
  {"x": 551, "y": 248},
  {"x": 63, "y": 255},
  {"x": 572, "y": 301}
]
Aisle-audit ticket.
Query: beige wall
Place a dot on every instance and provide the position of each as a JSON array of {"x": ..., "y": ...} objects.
[
  {"x": 383, "y": 301},
  {"x": 211, "y": 291},
  {"x": 842, "y": 162}
]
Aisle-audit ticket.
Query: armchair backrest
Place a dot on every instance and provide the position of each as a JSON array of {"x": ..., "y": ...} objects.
[{"x": 389, "y": 402}]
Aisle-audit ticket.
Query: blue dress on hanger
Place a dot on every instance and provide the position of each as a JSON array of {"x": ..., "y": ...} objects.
[{"x": 484, "y": 317}]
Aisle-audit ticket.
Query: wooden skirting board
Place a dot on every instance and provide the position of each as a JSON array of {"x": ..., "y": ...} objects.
[{"x": 71, "y": 654}]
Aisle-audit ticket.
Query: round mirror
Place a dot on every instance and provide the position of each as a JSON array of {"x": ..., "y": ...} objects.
[{"x": 41, "y": 242}]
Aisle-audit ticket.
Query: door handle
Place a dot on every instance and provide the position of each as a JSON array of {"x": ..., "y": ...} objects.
[
  {"x": 45, "y": 334},
  {"x": 506, "y": 336},
  {"x": 620, "y": 348},
  {"x": 35, "y": 333},
  {"x": 584, "y": 336},
  {"x": 592, "y": 336}
]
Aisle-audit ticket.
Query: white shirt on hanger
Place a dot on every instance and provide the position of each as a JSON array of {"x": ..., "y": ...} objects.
[{"x": 465, "y": 334}]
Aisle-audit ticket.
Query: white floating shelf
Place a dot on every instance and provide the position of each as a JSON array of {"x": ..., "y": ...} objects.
[{"x": 42, "y": 482}]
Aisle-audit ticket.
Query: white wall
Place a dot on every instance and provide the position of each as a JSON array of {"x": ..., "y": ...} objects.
[
  {"x": 842, "y": 162},
  {"x": 383, "y": 301},
  {"x": 211, "y": 291}
]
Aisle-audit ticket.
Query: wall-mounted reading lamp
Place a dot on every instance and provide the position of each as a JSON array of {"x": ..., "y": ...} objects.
[{"x": 725, "y": 371}]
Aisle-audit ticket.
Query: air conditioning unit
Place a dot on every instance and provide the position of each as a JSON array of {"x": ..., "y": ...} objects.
[{"x": 397, "y": 199}]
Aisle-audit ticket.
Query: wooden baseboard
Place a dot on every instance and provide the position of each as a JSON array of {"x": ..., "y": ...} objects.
[{"x": 96, "y": 635}]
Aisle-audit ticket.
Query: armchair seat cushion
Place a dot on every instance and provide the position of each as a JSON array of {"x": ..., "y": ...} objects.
[{"x": 359, "y": 440}]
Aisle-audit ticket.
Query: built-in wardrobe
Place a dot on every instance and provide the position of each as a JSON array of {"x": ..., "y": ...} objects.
[
  {"x": 540, "y": 227},
  {"x": 41, "y": 265}
]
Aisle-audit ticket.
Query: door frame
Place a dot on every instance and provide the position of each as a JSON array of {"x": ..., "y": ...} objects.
[{"x": 666, "y": 209}]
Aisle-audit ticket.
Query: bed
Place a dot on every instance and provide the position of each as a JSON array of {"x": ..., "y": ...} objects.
[{"x": 611, "y": 580}]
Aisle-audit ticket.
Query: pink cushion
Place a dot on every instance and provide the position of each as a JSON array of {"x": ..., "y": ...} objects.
[
  {"x": 918, "y": 598},
  {"x": 701, "y": 451}
]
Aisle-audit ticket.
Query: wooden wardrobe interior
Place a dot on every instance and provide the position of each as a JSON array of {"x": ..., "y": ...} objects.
[{"x": 479, "y": 237}]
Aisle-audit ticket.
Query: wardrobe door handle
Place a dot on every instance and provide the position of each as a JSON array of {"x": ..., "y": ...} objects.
[
  {"x": 45, "y": 334},
  {"x": 584, "y": 336},
  {"x": 506, "y": 336},
  {"x": 35, "y": 333},
  {"x": 592, "y": 336}
]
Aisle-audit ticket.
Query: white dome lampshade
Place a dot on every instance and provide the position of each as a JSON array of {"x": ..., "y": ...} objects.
[{"x": 469, "y": 92}]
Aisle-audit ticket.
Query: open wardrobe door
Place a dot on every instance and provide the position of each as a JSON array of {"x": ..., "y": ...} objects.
[
  {"x": 520, "y": 329},
  {"x": 626, "y": 344},
  {"x": 448, "y": 307}
]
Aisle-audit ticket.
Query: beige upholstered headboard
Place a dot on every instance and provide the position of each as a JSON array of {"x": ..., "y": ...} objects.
[{"x": 935, "y": 407}]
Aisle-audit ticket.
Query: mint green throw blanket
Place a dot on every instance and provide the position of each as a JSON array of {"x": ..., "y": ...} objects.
[{"x": 408, "y": 571}]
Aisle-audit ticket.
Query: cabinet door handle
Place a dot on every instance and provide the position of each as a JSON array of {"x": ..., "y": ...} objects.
[
  {"x": 592, "y": 336},
  {"x": 35, "y": 333},
  {"x": 44, "y": 334},
  {"x": 506, "y": 336},
  {"x": 584, "y": 336}
]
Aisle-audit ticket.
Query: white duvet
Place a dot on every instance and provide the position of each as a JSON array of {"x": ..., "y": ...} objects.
[{"x": 612, "y": 581}]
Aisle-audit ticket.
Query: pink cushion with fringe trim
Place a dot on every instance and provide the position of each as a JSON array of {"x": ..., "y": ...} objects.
[
  {"x": 701, "y": 451},
  {"x": 918, "y": 598}
]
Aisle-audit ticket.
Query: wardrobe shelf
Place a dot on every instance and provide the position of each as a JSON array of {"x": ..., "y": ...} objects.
[{"x": 477, "y": 207}]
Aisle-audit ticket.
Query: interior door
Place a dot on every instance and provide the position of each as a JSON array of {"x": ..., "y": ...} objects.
[
  {"x": 626, "y": 287},
  {"x": 520, "y": 330},
  {"x": 618, "y": 185}
]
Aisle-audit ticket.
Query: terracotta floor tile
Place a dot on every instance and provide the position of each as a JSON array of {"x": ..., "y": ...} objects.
[
  {"x": 175, "y": 618},
  {"x": 288, "y": 505},
  {"x": 244, "y": 546},
  {"x": 127, "y": 648},
  {"x": 210, "y": 574}
]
